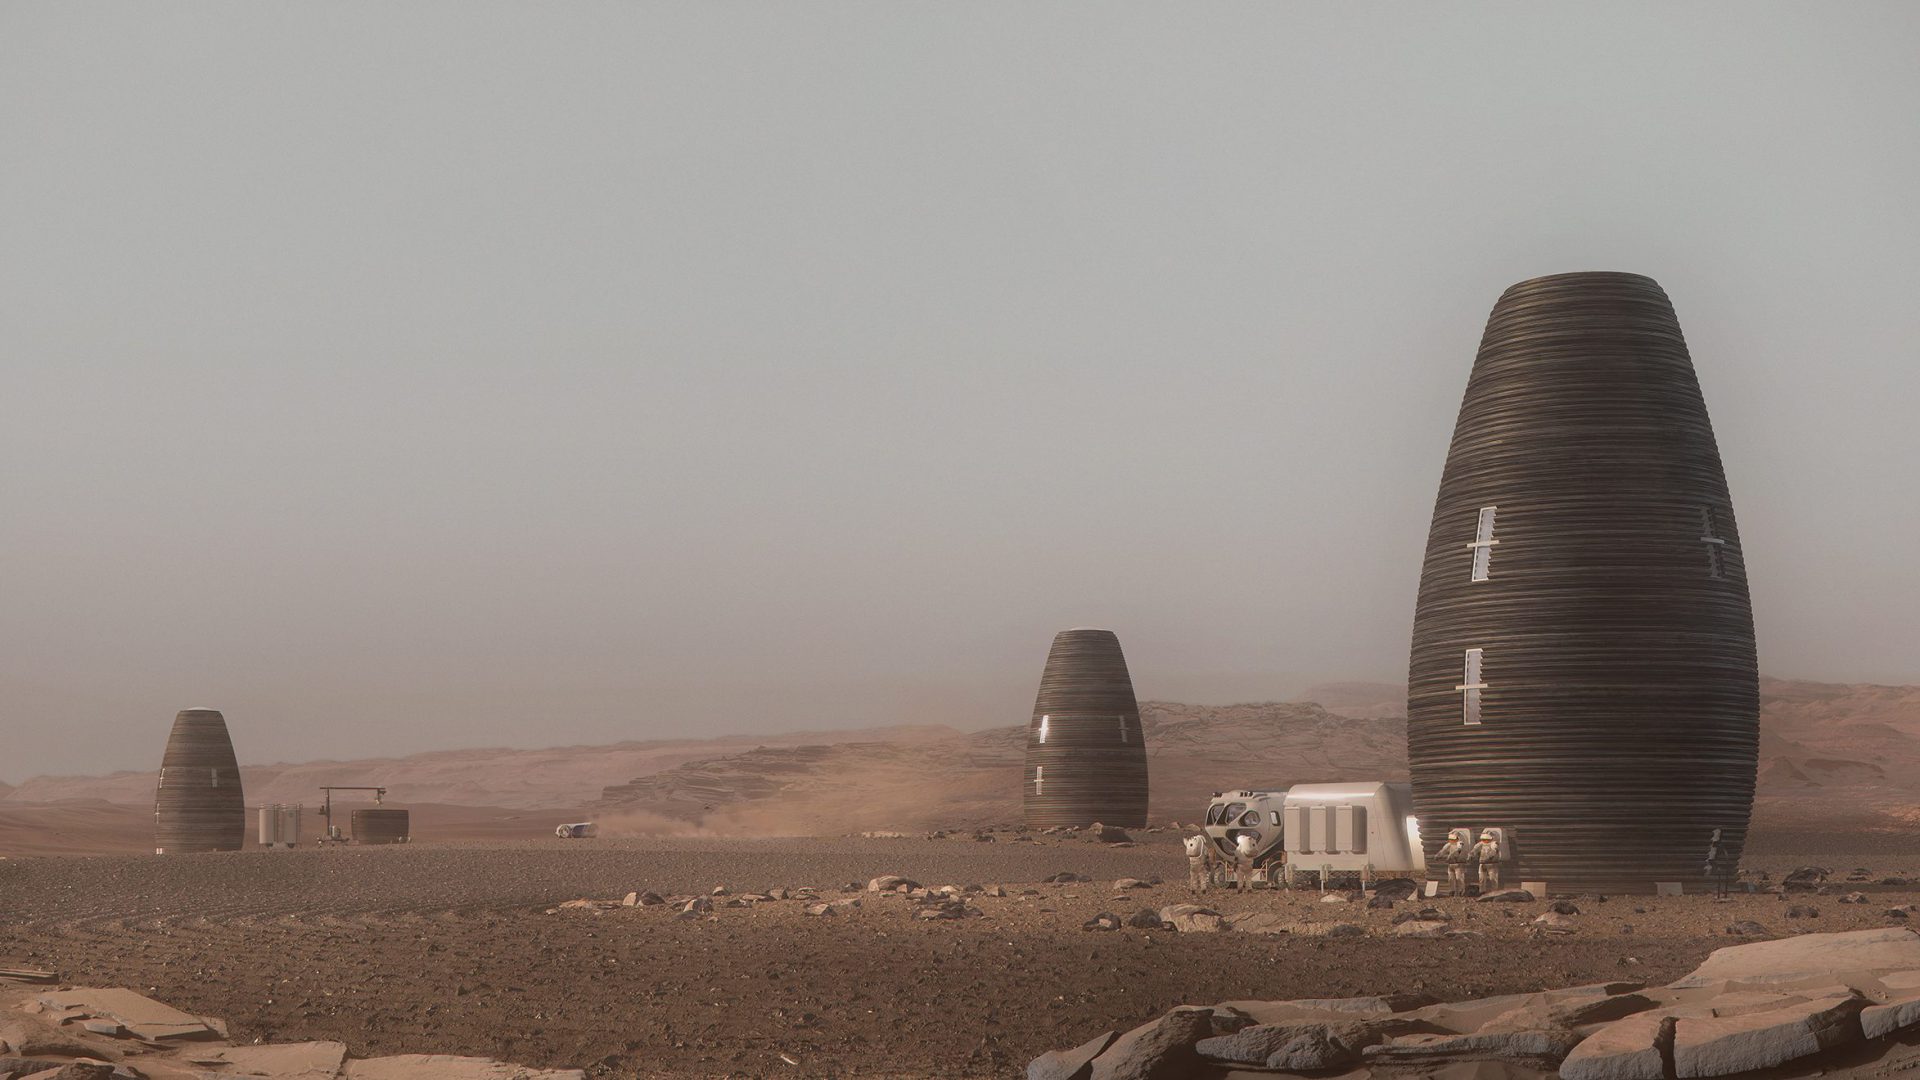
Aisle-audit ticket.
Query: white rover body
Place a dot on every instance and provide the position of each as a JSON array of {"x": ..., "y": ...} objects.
[{"x": 1363, "y": 829}]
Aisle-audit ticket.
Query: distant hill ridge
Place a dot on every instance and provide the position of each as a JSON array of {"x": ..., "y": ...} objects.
[{"x": 1828, "y": 751}]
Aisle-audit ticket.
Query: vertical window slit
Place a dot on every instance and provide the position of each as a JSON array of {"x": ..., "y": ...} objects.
[
  {"x": 1716, "y": 544},
  {"x": 1483, "y": 544},
  {"x": 1470, "y": 689}
]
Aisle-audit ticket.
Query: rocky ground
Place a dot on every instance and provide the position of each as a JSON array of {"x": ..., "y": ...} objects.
[{"x": 467, "y": 950}]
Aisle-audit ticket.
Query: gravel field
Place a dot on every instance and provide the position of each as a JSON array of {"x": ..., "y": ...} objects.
[{"x": 451, "y": 948}]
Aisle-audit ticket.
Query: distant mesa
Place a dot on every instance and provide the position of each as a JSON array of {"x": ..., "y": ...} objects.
[
  {"x": 198, "y": 804},
  {"x": 1086, "y": 753}
]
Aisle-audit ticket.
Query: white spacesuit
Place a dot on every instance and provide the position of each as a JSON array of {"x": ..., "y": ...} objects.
[
  {"x": 1454, "y": 854},
  {"x": 1243, "y": 862},
  {"x": 1488, "y": 854},
  {"x": 1199, "y": 863}
]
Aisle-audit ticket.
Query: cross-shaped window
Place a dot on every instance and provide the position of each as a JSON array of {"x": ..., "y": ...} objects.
[
  {"x": 1716, "y": 544},
  {"x": 1483, "y": 544},
  {"x": 1470, "y": 707},
  {"x": 1039, "y": 779}
]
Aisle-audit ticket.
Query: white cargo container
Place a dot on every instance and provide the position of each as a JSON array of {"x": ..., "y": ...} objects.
[
  {"x": 280, "y": 825},
  {"x": 1316, "y": 831}
]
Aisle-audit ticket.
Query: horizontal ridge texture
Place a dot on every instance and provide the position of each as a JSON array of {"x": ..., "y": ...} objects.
[
  {"x": 1619, "y": 720},
  {"x": 198, "y": 805},
  {"x": 1091, "y": 764}
]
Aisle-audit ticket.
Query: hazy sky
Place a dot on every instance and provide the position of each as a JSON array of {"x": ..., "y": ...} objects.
[{"x": 406, "y": 376}]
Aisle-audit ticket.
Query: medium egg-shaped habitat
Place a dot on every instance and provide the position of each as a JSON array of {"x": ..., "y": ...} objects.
[{"x": 1086, "y": 759}]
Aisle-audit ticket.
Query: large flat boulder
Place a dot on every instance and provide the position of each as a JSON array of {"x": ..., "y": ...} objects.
[
  {"x": 1726, "y": 1046},
  {"x": 1633, "y": 1048},
  {"x": 1541, "y": 1049},
  {"x": 138, "y": 1013},
  {"x": 1898, "y": 1009},
  {"x": 449, "y": 1067},
  {"x": 1300, "y": 1010},
  {"x": 286, "y": 1061},
  {"x": 1074, "y": 1064},
  {"x": 1161, "y": 1050},
  {"x": 1293, "y": 1047},
  {"x": 1808, "y": 956}
]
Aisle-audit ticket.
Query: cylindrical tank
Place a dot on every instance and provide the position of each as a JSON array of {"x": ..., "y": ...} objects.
[
  {"x": 198, "y": 805},
  {"x": 1086, "y": 759},
  {"x": 1583, "y": 671},
  {"x": 380, "y": 825}
]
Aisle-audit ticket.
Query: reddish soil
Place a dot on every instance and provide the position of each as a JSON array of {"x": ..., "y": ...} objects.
[{"x": 450, "y": 949}]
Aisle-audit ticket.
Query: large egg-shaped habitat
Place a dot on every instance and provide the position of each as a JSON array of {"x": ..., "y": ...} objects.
[{"x": 1583, "y": 673}]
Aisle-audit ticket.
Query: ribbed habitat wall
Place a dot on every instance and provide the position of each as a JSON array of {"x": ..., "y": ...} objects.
[
  {"x": 198, "y": 805},
  {"x": 1583, "y": 669},
  {"x": 1086, "y": 759},
  {"x": 380, "y": 826}
]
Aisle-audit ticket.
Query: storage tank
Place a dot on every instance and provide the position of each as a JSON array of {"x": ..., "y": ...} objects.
[
  {"x": 380, "y": 825},
  {"x": 198, "y": 805},
  {"x": 1583, "y": 671},
  {"x": 1086, "y": 759}
]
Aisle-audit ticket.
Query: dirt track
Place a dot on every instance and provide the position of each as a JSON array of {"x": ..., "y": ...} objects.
[{"x": 450, "y": 949}]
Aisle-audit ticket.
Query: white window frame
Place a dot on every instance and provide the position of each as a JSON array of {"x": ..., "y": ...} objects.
[
  {"x": 1483, "y": 544},
  {"x": 1471, "y": 685},
  {"x": 1716, "y": 545}
]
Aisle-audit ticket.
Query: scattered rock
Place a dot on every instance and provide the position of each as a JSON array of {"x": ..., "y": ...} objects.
[
  {"x": 1805, "y": 879},
  {"x": 1126, "y": 883},
  {"x": 1854, "y": 898},
  {"x": 1428, "y": 914},
  {"x": 1146, "y": 919},
  {"x": 996, "y": 891},
  {"x": 1803, "y": 911},
  {"x": 1748, "y": 928},
  {"x": 1506, "y": 896},
  {"x": 891, "y": 883},
  {"x": 1106, "y": 920},
  {"x": 699, "y": 905},
  {"x": 1563, "y": 907},
  {"x": 1396, "y": 889},
  {"x": 1065, "y": 877},
  {"x": 1342, "y": 897},
  {"x": 1192, "y": 918},
  {"x": 1555, "y": 923},
  {"x": 949, "y": 909},
  {"x": 1380, "y": 902},
  {"x": 1423, "y": 928},
  {"x": 1107, "y": 834}
]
